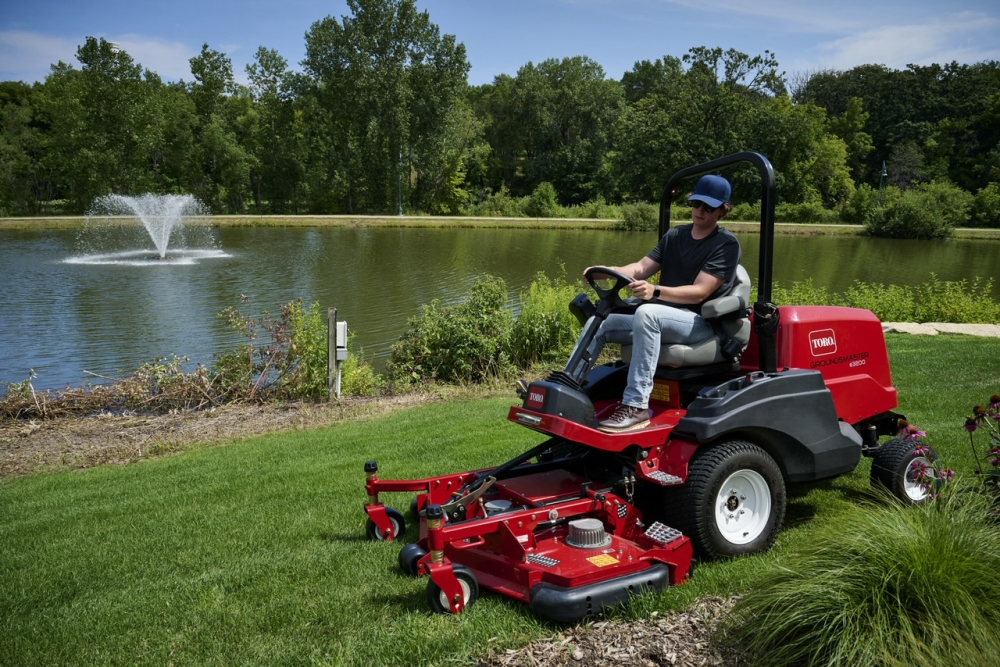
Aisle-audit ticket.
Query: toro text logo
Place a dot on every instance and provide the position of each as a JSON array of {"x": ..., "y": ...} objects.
[
  {"x": 536, "y": 397},
  {"x": 822, "y": 342}
]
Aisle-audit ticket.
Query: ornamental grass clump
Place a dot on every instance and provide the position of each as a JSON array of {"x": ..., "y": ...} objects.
[
  {"x": 882, "y": 584},
  {"x": 886, "y": 582}
]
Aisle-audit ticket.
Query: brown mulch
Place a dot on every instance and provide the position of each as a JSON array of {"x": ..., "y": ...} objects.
[
  {"x": 681, "y": 638},
  {"x": 71, "y": 443}
]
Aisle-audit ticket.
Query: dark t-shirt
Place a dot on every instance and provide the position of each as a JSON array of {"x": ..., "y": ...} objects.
[{"x": 682, "y": 258}]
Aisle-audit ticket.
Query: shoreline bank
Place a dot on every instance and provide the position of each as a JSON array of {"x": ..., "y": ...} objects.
[{"x": 750, "y": 227}]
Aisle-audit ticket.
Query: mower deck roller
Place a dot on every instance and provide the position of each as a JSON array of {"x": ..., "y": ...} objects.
[{"x": 587, "y": 519}]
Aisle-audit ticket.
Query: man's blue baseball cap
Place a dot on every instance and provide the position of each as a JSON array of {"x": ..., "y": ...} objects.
[{"x": 713, "y": 190}]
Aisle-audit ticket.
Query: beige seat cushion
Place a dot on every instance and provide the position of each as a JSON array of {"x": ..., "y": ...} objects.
[{"x": 709, "y": 351}]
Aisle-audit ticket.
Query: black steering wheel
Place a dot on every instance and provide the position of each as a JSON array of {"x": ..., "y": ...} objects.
[{"x": 600, "y": 278}]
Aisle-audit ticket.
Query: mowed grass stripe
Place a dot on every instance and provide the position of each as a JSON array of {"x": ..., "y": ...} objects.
[{"x": 255, "y": 552}]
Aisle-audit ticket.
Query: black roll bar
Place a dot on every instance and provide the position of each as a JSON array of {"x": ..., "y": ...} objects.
[{"x": 765, "y": 314}]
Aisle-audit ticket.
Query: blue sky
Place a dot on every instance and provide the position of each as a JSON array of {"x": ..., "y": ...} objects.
[{"x": 500, "y": 37}]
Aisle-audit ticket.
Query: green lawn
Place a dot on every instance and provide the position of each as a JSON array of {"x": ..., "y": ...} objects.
[{"x": 255, "y": 552}]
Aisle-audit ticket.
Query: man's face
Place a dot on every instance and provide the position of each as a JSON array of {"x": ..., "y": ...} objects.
[{"x": 704, "y": 215}]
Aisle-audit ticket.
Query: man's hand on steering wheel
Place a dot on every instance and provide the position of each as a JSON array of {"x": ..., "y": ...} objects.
[{"x": 642, "y": 289}]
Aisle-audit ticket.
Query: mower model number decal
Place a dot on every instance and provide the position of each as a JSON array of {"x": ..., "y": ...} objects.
[
  {"x": 852, "y": 360},
  {"x": 603, "y": 560},
  {"x": 536, "y": 397},
  {"x": 822, "y": 342}
]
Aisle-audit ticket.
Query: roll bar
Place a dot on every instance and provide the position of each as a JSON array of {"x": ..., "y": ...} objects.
[{"x": 765, "y": 313}]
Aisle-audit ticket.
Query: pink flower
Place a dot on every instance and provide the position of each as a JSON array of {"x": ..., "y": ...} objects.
[
  {"x": 970, "y": 424},
  {"x": 910, "y": 432},
  {"x": 946, "y": 474}
]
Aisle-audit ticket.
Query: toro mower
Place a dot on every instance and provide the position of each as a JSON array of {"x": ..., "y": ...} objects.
[{"x": 586, "y": 519}]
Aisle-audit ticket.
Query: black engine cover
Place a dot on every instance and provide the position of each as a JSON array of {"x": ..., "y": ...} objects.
[{"x": 557, "y": 399}]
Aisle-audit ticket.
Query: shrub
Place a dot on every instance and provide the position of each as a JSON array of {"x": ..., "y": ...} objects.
[
  {"x": 881, "y": 585},
  {"x": 801, "y": 293},
  {"x": 498, "y": 205},
  {"x": 747, "y": 211},
  {"x": 283, "y": 357},
  {"x": 890, "y": 303},
  {"x": 357, "y": 376},
  {"x": 639, "y": 217},
  {"x": 544, "y": 330},
  {"x": 463, "y": 343},
  {"x": 543, "y": 202},
  {"x": 595, "y": 209},
  {"x": 924, "y": 211},
  {"x": 806, "y": 212},
  {"x": 956, "y": 301},
  {"x": 986, "y": 208}
]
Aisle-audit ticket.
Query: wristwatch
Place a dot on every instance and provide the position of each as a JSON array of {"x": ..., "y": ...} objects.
[{"x": 656, "y": 292}]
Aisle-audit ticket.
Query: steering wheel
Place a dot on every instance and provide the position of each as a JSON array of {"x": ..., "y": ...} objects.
[{"x": 600, "y": 278}]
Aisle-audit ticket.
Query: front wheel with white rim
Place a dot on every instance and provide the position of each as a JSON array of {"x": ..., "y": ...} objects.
[
  {"x": 438, "y": 601},
  {"x": 897, "y": 467},
  {"x": 732, "y": 503}
]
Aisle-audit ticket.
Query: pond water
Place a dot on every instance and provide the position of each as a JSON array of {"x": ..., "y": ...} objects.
[{"x": 72, "y": 314}]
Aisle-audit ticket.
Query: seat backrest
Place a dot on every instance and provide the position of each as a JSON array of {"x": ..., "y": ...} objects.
[{"x": 729, "y": 312}]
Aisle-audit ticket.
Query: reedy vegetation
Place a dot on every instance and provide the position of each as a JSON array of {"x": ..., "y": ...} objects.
[
  {"x": 382, "y": 119},
  {"x": 483, "y": 339}
]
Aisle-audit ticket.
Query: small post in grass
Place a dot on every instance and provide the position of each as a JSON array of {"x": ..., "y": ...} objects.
[{"x": 336, "y": 347}]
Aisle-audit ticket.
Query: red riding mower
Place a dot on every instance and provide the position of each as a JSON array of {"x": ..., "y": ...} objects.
[{"x": 586, "y": 519}]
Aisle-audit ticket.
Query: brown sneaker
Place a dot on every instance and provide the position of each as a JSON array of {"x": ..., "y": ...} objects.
[{"x": 626, "y": 418}]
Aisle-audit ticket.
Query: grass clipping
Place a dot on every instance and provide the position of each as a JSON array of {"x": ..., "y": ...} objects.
[{"x": 882, "y": 584}]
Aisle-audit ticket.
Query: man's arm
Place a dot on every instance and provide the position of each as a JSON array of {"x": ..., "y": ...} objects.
[
  {"x": 640, "y": 270},
  {"x": 704, "y": 285}
]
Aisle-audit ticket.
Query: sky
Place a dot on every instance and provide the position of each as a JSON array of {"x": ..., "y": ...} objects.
[{"x": 502, "y": 36}]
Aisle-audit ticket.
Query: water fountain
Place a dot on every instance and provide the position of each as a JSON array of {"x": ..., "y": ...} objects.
[{"x": 111, "y": 235}]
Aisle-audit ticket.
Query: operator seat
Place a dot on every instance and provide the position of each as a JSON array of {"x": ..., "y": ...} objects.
[{"x": 730, "y": 317}]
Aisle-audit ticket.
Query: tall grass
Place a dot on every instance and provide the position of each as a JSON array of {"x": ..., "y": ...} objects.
[{"x": 881, "y": 584}]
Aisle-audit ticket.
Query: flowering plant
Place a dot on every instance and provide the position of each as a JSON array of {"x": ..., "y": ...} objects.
[
  {"x": 986, "y": 419},
  {"x": 926, "y": 469}
]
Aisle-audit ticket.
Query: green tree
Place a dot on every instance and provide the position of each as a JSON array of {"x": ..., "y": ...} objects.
[
  {"x": 102, "y": 121},
  {"x": 684, "y": 116},
  {"x": 24, "y": 184},
  {"x": 222, "y": 133},
  {"x": 276, "y": 138},
  {"x": 389, "y": 82},
  {"x": 850, "y": 127}
]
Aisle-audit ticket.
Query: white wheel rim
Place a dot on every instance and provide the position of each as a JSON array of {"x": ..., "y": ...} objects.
[
  {"x": 743, "y": 507},
  {"x": 466, "y": 594},
  {"x": 395, "y": 530},
  {"x": 911, "y": 487}
]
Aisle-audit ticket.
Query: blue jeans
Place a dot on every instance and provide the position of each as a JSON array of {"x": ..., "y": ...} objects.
[{"x": 652, "y": 325}]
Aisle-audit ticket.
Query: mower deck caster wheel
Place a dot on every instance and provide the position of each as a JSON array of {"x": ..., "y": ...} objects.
[
  {"x": 409, "y": 556},
  {"x": 398, "y": 526},
  {"x": 470, "y": 591},
  {"x": 894, "y": 467}
]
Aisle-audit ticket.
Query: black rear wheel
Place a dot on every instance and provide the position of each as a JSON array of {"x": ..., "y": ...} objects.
[
  {"x": 895, "y": 466},
  {"x": 732, "y": 503}
]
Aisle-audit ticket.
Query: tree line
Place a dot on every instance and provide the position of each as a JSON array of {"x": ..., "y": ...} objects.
[{"x": 381, "y": 119}]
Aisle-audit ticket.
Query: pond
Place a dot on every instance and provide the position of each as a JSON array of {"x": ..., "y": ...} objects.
[{"x": 72, "y": 318}]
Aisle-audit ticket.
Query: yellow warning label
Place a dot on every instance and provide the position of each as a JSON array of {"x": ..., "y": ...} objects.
[
  {"x": 666, "y": 392},
  {"x": 661, "y": 392},
  {"x": 603, "y": 559}
]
